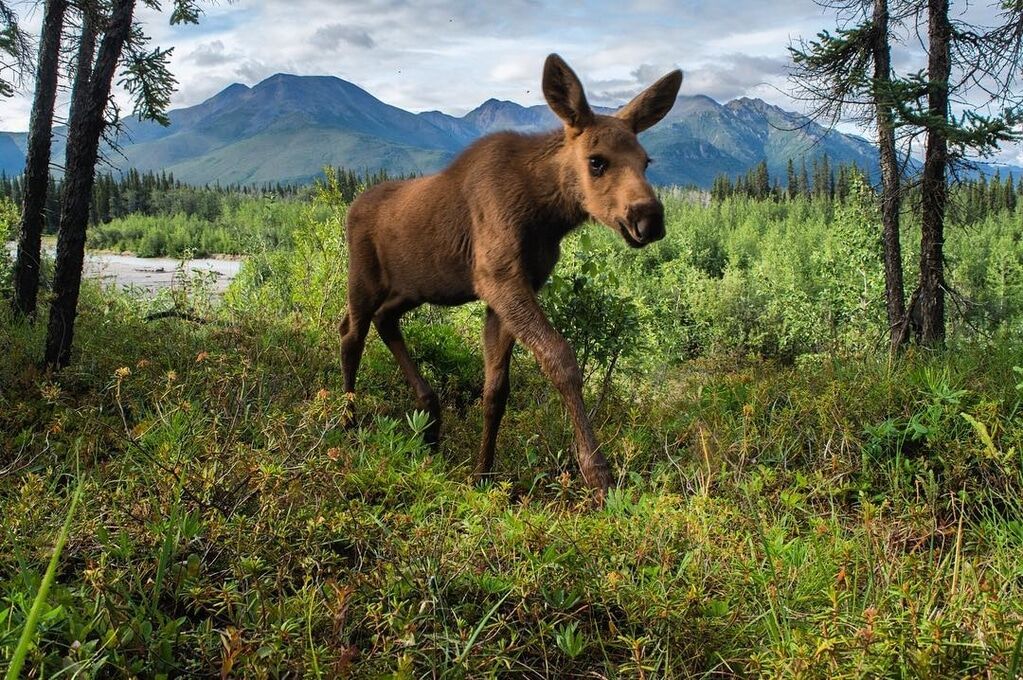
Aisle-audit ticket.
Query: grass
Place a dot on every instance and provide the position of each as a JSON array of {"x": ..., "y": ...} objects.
[
  {"x": 838, "y": 517},
  {"x": 39, "y": 603}
]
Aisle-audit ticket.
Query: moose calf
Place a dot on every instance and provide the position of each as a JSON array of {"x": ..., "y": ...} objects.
[{"x": 489, "y": 227}]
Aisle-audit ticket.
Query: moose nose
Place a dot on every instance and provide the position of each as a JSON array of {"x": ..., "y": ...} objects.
[{"x": 647, "y": 221}]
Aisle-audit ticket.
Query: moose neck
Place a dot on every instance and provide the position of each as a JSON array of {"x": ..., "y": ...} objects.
[{"x": 556, "y": 195}]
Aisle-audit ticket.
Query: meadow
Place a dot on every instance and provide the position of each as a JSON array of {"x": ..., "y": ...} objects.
[{"x": 790, "y": 500}]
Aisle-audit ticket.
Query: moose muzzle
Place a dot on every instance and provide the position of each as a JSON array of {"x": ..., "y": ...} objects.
[{"x": 645, "y": 222}]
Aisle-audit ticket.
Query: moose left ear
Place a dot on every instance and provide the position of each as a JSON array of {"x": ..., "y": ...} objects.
[
  {"x": 564, "y": 94},
  {"x": 653, "y": 103}
]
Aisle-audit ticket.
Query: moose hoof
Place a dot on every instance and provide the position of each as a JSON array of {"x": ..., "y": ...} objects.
[
  {"x": 431, "y": 437},
  {"x": 481, "y": 475}
]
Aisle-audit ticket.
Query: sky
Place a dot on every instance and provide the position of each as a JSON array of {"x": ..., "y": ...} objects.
[{"x": 451, "y": 55}]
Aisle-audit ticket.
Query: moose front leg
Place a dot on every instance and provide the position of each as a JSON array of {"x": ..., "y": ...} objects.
[{"x": 521, "y": 315}]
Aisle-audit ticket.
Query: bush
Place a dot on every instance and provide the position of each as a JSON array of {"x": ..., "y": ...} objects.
[
  {"x": 9, "y": 219},
  {"x": 234, "y": 226}
]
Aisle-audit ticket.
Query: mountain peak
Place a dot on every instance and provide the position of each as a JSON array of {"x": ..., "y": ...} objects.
[
  {"x": 755, "y": 104},
  {"x": 307, "y": 83},
  {"x": 494, "y": 105},
  {"x": 281, "y": 77},
  {"x": 500, "y": 114},
  {"x": 493, "y": 101},
  {"x": 235, "y": 88}
]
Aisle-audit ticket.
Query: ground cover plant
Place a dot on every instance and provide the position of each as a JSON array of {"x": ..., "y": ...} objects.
[{"x": 796, "y": 503}]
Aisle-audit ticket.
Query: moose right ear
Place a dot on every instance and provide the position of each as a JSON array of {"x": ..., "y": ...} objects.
[{"x": 564, "y": 94}]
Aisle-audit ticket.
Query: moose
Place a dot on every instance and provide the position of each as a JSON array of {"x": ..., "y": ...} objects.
[{"x": 489, "y": 227}]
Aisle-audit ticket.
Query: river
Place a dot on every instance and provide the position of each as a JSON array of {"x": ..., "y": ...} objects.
[{"x": 150, "y": 273}]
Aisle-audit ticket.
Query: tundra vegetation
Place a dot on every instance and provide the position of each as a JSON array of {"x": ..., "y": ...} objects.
[{"x": 789, "y": 498}]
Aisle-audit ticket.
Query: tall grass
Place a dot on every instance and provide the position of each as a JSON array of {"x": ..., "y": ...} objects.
[{"x": 29, "y": 629}]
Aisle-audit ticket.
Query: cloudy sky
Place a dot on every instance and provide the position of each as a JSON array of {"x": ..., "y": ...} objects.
[{"x": 452, "y": 55}]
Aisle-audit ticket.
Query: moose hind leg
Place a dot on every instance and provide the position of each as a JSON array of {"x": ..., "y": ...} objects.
[
  {"x": 497, "y": 349},
  {"x": 354, "y": 328},
  {"x": 387, "y": 323}
]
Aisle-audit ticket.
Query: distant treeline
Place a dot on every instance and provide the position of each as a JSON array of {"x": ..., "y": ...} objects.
[
  {"x": 156, "y": 214},
  {"x": 824, "y": 182},
  {"x": 160, "y": 194},
  {"x": 974, "y": 199}
]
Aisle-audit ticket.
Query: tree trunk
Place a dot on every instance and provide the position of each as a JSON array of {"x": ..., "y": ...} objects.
[
  {"x": 89, "y": 99},
  {"x": 37, "y": 162},
  {"x": 932, "y": 279},
  {"x": 891, "y": 197}
]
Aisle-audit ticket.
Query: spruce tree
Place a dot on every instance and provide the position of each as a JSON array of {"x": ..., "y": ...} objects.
[{"x": 37, "y": 161}]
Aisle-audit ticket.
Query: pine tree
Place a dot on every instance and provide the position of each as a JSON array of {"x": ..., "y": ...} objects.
[
  {"x": 791, "y": 183},
  {"x": 147, "y": 80},
  {"x": 960, "y": 59},
  {"x": 15, "y": 51},
  {"x": 835, "y": 72},
  {"x": 761, "y": 181},
  {"x": 27, "y": 263}
]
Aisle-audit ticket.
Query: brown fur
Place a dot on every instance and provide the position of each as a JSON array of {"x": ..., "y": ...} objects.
[{"x": 489, "y": 227}]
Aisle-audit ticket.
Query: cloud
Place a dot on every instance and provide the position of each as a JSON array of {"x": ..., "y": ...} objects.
[
  {"x": 252, "y": 71},
  {"x": 618, "y": 91},
  {"x": 453, "y": 54},
  {"x": 331, "y": 36},
  {"x": 211, "y": 54},
  {"x": 734, "y": 75},
  {"x": 648, "y": 73}
]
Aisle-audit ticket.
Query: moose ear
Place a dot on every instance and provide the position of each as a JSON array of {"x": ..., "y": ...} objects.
[
  {"x": 565, "y": 94},
  {"x": 653, "y": 103}
]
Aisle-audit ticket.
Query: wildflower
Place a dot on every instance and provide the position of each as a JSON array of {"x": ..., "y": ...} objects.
[
  {"x": 50, "y": 391},
  {"x": 142, "y": 363},
  {"x": 322, "y": 394},
  {"x": 172, "y": 376},
  {"x": 122, "y": 373},
  {"x": 201, "y": 357},
  {"x": 333, "y": 453}
]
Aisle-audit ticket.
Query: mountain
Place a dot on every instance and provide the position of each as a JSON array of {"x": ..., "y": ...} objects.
[
  {"x": 12, "y": 152},
  {"x": 287, "y": 128}
]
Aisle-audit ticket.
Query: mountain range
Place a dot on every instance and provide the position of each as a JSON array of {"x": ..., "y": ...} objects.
[{"x": 287, "y": 128}]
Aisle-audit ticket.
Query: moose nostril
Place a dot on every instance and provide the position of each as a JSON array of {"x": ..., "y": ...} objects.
[
  {"x": 651, "y": 225},
  {"x": 643, "y": 227},
  {"x": 646, "y": 220}
]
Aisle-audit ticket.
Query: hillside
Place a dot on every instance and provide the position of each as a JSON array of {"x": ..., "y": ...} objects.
[{"x": 286, "y": 128}]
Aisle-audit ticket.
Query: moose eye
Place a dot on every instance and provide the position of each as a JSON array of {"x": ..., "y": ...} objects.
[
  {"x": 648, "y": 162},
  {"x": 598, "y": 165}
]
